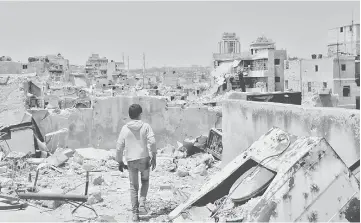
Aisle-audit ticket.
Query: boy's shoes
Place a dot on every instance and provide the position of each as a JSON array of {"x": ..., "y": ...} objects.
[
  {"x": 135, "y": 218},
  {"x": 142, "y": 210}
]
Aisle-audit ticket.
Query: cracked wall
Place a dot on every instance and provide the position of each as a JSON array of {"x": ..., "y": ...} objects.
[
  {"x": 244, "y": 122},
  {"x": 99, "y": 127}
]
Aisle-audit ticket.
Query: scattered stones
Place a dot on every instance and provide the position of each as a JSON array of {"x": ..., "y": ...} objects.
[
  {"x": 3, "y": 169},
  {"x": 98, "y": 180},
  {"x": 78, "y": 158},
  {"x": 94, "y": 198},
  {"x": 199, "y": 170},
  {"x": 6, "y": 182},
  {"x": 106, "y": 218},
  {"x": 69, "y": 152},
  {"x": 52, "y": 204},
  {"x": 112, "y": 164},
  {"x": 182, "y": 173}
]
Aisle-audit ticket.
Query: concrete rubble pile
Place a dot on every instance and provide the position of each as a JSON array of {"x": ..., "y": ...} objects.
[
  {"x": 62, "y": 172},
  {"x": 271, "y": 179}
]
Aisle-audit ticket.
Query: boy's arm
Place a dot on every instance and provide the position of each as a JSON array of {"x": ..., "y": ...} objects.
[
  {"x": 120, "y": 147},
  {"x": 151, "y": 144}
]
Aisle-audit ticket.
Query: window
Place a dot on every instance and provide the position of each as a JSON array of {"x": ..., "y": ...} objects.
[
  {"x": 324, "y": 84},
  {"x": 316, "y": 68},
  {"x": 25, "y": 66},
  {"x": 341, "y": 29},
  {"x": 277, "y": 61},
  {"x": 346, "y": 91},
  {"x": 350, "y": 28},
  {"x": 309, "y": 86},
  {"x": 277, "y": 79},
  {"x": 343, "y": 67},
  {"x": 286, "y": 84},
  {"x": 252, "y": 51}
]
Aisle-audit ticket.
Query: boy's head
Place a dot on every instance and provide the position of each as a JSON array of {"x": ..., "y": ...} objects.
[{"x": 135, "y": 111}]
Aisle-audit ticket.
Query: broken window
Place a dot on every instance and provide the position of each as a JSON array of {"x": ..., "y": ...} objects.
[
  {"x": 309, "y": 87},
  {"x": 316, "y": 68},
  {"x": 324, "y": 84},
  {"x": 346, "y": 91},
  {"x": 277, "y": 61},
  {"x": 286, "y": 84},
  {"x": 343, "y": 67},
  {"x": 277, "y": 79},
  {"x": 252, "y": 51},
  {"x": 25, "y": 66},
  {"x": 341, "y": 29},
  {"x": 350, "y": 28}
]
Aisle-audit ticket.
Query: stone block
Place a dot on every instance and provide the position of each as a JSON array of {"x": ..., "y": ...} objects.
[{"x": 57, "y": 139}]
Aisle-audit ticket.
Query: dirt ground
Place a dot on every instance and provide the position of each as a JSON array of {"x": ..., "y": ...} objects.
[{"x": 167, "y": 189}]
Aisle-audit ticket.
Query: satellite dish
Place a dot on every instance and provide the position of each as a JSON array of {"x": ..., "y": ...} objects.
[{"x": 251, "y": 183}]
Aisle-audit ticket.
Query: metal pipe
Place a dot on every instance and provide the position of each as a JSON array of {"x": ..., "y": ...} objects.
[
  {"x": 53, "y": 197},
  {"x": 36, "y": 178},
  {"x": 87, "y": 183}
]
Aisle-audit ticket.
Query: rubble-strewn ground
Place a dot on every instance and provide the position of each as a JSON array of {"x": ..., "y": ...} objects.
[{"x": 110, "y": 196}]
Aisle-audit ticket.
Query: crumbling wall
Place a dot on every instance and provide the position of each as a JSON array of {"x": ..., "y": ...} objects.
[
  {"x": 99, "y": 127},
  {"x": 244, "y": 122},
  {"x": 170, "y": 124}
]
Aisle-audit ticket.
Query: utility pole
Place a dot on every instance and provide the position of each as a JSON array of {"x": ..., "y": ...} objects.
[
  {"x": 123, "y": 58},
  {"x": 128, "y": 65},
  {"x": 143, "y": 68}
]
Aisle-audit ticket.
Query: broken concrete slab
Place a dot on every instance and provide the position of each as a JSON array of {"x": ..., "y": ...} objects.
[
  {"x": 94, "y": 154},
  {"x": 69, "y": 152},
  {"x": 57, "y": 139},
  {"x": 36, "y": 161},
  {"x": 22, "y": 140},
  {"x": 293, "y": 158},
  {"x": 57, "y": 159}
]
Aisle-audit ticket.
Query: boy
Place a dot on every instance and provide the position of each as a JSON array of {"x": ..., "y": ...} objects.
[{"x": 137, "y": 138}]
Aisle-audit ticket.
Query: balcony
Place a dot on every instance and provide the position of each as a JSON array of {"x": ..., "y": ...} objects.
[
  {"x": 324, "y": 91},
  {"x": 255, "y": 73}
]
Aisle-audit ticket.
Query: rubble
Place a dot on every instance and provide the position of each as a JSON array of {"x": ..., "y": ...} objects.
[
  {"x": 95, "y": 197},
  {"x": 98, "y": 180}
]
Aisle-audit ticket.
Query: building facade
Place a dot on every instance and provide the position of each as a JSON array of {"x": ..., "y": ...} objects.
[
  {"x": 262, "y": 67},
  {"x": 323, "y": 76},
  {"x": 344, "y": 40},
  {"x": 96, "y": 65}
]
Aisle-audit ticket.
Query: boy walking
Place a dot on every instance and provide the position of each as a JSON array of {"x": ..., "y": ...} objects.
[{"x": 137, "y": 141}]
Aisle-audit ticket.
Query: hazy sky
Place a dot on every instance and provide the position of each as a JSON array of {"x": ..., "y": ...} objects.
[{"x": 170, "y": 33}]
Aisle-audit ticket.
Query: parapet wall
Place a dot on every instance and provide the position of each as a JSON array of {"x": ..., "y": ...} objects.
[
  {"x": 244, "y": 122},
  {"x": 99, "y": 127}
]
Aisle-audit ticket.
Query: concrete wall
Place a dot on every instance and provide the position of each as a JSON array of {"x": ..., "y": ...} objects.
[
  {"x": 99, "y": 127},
  {"x": 244, "y": 122},
  {"x": 10, "y": 67}
]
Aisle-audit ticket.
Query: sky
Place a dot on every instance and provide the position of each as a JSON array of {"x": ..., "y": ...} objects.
[{"x": 169, "y": 33}]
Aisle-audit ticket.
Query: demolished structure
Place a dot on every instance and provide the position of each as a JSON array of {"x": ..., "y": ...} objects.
[{"x": 293, "y": 178}]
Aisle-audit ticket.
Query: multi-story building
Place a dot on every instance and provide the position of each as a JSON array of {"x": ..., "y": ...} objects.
[
  {"x": 229, "y": 49},
  {"x": 262, "y": 66},
  {"x": 115, "y": 70},
  {"x": 325, "y": 76},
  {"x": 96, "y": 65},
  {"x": 344, "y": 40}
]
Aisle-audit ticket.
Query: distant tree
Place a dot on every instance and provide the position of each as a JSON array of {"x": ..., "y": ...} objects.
[
  {"x": 46, "y": 60},
  {"x": 32, "y": 59}
]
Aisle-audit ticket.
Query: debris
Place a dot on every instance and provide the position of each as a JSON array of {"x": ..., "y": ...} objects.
[
  {"x": 94, "y": 154},
  {"x": 211, "y": 207},
  {"x": 182, "y": 173},
  {"x": 94, "y": 198},
  {"x": 57, "y": 139},
  {"x": 200, "y": 169},
  {"x": 36, "y": 161},
  {"x": 52, "y": 204},
  {"x": 98, "y": 180},
  {"x": 106, "y": 218},
  {"x": 3, "y": 169},
  {"x": 77, "y": 158},
  {"x": 112, "y": 164},
  {"x": 165, "y": 187},
  {"x": 69, "y": 152},
  {"x": 57, "y": 159}
]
